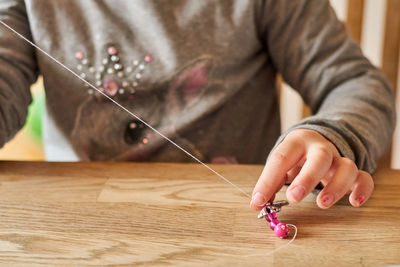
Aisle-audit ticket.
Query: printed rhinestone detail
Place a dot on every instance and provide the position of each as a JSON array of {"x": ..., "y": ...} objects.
[{"x": 112, "y": 77}]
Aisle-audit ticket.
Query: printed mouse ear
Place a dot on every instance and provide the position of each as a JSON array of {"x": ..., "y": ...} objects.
[{"x": 190, "y": 81}]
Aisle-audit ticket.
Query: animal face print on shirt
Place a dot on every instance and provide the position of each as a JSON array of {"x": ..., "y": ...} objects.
[{"x": 107, "y": 131}]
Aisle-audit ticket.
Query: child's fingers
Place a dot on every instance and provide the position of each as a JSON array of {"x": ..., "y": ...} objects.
[
  {"x": 362, "y": 189},
  {"x": 281, "y": 160},
  {"x": 319, "y": 161},
  {"x": 342, "y": 181},
  {"x": 292, "y": 173}
]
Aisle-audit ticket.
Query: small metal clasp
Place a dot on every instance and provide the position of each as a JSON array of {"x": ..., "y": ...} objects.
[{"x": 272, "y": 207}]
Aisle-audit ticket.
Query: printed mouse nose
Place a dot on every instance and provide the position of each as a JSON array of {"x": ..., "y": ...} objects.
[{"x": 134, "y": 132}]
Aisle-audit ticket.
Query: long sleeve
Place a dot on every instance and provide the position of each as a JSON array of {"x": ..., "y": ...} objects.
[
  {"x": 18, "y": 69},
  {"x": 353, "y": 105}
]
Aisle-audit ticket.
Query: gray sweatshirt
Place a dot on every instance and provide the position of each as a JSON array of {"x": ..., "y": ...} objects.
[{"x": 201, "y": 72}]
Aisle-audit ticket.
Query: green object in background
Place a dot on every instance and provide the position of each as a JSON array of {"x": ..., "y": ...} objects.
[{"x": 34, "y": 118}]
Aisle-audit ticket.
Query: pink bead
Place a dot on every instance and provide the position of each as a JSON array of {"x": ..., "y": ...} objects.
[
  {"x": 111, "y": 87},
  {"x": 112, "y": 50},
  {"x": 79, "y": 55},
  {"x": 281, "y": 230},
  {"x": 148, "y": 58},
  {"x": 272, "y": 219}
]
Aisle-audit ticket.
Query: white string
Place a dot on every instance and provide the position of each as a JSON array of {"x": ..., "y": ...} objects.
[
  {"x": 148, "y": 125},
  {"x": 278, "y": 248},
  {"x": 122, "y": 107}
]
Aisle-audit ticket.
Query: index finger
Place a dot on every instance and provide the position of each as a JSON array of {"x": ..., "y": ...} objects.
[{"x": 280, "y": 161}]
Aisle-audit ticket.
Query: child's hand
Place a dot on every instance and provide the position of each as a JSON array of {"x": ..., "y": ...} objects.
[{"x": 304, "y": 159}]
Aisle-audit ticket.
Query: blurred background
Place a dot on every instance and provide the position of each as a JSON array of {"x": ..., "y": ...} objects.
[
  {"x": 27, "y": 144},
  {"x": 374, "y": 24}
]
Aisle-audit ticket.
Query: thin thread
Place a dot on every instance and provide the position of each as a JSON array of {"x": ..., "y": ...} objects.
[
  {"x": 278, "y": 248},
  {"x": 127, "y": 110},
  {"x": 151, "y": 127}
]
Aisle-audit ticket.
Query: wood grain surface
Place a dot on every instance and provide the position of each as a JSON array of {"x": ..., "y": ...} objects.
[{"x": 81, "y": 214}]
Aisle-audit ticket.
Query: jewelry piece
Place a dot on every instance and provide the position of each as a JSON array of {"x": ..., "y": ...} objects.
[{"x": 280, "y": 229}]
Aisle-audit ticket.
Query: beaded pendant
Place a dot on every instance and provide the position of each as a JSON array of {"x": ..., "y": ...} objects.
[{"x": 280, "y": 229}]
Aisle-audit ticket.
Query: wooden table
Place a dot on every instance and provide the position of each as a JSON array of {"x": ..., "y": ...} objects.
[{"x": 76, "y": 214}]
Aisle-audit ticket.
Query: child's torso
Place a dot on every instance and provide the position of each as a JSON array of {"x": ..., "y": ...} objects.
[{"x": 197, "y": 71}]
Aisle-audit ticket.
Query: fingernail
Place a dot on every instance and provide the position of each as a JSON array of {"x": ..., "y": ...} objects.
[
  {"x": 327, "y": 200},
  {"x": 258, "y": 199},
  {"x": 360, "y": 200},
  {"x": 297, "y": 192}
]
